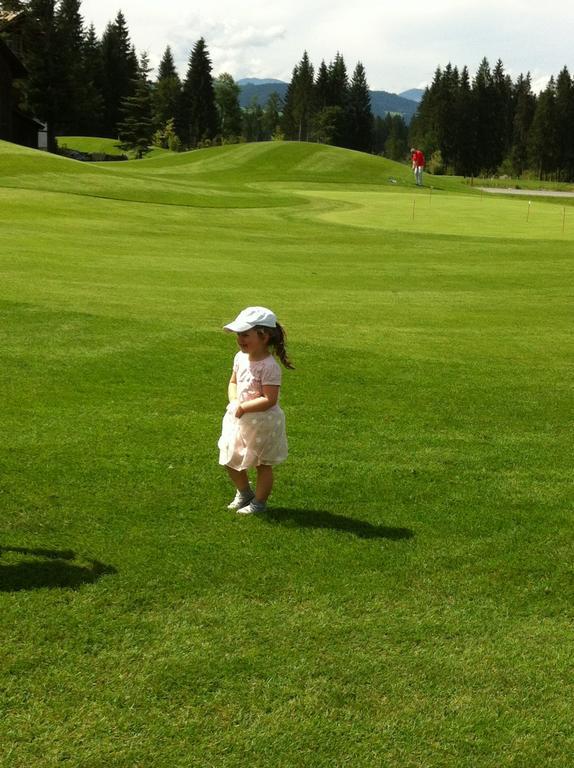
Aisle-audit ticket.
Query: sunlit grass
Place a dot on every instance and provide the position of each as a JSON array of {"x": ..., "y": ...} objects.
[{"x": 407, "y": 600}]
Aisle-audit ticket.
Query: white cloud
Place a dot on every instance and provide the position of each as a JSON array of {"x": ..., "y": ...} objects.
[
  {"x": 251, "y": 37},
  {"x": 400, "y": 44},
  {"x": 230, "y": 44}
]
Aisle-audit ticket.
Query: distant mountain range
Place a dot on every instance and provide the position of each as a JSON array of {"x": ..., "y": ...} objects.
[
  {"x": 258, "y": 81},
  {"x": 382, "y": 102},
  {"x": 414, "y": 94}
]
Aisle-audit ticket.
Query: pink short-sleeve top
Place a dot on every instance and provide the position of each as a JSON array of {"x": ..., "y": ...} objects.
[{"x": 252, "y": 375}]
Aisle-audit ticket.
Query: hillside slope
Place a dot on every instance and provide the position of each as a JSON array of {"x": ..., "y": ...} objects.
[
  {"x": 191, "y": 178},
  {"x": 276, "y": 161}
]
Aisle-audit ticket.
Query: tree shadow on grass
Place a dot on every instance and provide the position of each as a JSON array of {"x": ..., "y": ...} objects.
[
  {"x": 48, "y": 569},
  {"x": 312, "y": 518}
]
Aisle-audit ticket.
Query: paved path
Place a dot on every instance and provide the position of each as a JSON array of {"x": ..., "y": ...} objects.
[{"x": 526, "y": 192}]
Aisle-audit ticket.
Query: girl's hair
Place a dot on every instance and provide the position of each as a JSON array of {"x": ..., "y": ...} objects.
[{"x": 277, "y": 339}]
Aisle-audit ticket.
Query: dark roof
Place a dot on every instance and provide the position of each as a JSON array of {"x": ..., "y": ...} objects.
[
  {"x": 31, "y": 120},
  {"x": 18, "y": 69}
]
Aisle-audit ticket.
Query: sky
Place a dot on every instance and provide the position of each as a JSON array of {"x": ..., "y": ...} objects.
[{"x": 400, "y": 44}]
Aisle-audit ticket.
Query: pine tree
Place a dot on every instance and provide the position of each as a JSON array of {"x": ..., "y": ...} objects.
[
  {"x": 338, "y": 96},
  {"x": 167, "y": 66},
  {"x": 338, "y": 83},
  {"x": 542, "y": 138},
  {"x": 227, "y": 102},
  {"x": 136, "y": 129},
  {"x": 445, "y": 115},
  {"x": 304, "y": 101},
  {"x": 299, "y": 102},
  {"x": 119, "y": 72},
  {"x": 322, "y": 86},
  {"x": 565, "y": 123},
  {"x": 92, "y": 102},
  {"x": 524, "y": 108},
  {"x": 199, "y": 113},
  {"x": 360, "y": 115},
  {"x": 485, "y": 104},
  {"x": 424, "y": 126},
  {"x": 288, "y": 123},
  {"x": 501, "y": 129},
  {"x": 167, "y": 92},
  {"x": 69, "y": 65},
  {"x": 465, "y": 134}
]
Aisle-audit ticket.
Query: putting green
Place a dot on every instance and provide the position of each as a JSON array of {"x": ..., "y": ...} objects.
[{"x": 435, "y": 212}]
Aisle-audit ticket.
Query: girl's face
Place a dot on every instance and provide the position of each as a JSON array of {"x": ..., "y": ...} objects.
[{"x": 253, "y": 343}]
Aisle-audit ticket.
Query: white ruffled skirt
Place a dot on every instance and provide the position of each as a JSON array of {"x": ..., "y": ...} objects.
[{"x": 254, "y": 439}]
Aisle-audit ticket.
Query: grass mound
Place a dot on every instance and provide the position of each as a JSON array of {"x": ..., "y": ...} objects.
[
  {"x": 29, "y": 169},
  {"x": 284, "y": 161}
]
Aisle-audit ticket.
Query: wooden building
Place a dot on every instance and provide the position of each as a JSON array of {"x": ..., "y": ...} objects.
[{"x": 14, "y": 125}]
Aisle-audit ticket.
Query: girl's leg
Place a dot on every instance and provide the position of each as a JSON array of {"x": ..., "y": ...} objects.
[
  {"x": 240, "y": 479},
  {"x": 264, "y": 483}
]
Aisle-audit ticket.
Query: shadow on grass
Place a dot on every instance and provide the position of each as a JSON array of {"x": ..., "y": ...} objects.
[
  {"x": 312, "y": 518},
  {"x": 50, "y": 569}
]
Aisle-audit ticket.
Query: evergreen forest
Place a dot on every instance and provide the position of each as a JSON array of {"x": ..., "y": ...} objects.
[{"x": 81, "y": 84}]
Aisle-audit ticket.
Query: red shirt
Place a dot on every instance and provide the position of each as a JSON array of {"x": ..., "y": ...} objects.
[{"x": 418, "y": 158}]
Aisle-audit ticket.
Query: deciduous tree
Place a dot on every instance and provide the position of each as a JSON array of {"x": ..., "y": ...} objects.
[{"x": 227, "y": 102}]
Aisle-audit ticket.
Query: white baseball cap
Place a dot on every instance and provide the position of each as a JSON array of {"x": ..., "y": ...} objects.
[{"x": 251, "y": 317}]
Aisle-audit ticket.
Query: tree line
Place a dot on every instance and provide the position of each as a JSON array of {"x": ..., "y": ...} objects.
[
  {"x": 80, "y": 84},
  {"x": 493, "y": 124}
]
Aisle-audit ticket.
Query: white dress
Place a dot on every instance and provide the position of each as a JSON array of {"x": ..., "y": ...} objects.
[{"x": 255, "y": 438}]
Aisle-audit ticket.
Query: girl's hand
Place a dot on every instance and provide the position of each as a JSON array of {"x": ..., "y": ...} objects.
[{"x": 239, "y": 412}]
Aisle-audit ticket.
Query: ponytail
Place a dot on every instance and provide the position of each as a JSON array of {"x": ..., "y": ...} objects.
[{"x": 277, "y": 339}]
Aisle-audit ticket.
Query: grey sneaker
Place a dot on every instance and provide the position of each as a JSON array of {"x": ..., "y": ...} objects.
[
  {"x": 252, "y": 508},
  {"x": 241, "y": 499}
]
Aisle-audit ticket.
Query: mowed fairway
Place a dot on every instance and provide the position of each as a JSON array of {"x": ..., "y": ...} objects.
[{"x": 407, "y": 601}]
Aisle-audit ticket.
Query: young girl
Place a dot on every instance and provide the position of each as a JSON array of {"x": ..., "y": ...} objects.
[{"x": 253, "y": 431}]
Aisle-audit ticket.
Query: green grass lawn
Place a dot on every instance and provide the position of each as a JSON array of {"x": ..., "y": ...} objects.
[{"x": 407, "y": 600}]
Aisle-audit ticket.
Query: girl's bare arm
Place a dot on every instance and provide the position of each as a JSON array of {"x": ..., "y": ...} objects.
[
  {"x": 232, "y": 388},
  {"x": 264, "y": 403}
]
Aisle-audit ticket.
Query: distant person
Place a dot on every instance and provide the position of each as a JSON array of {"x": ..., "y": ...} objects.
[
  {"x": 418, "y": 160},
  {"x": 253, "y": 431}
]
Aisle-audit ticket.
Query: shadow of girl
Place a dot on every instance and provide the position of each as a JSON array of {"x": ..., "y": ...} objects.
[
  {"x": 307, "y": 518},
  {"x": 47, "y": 569}
]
